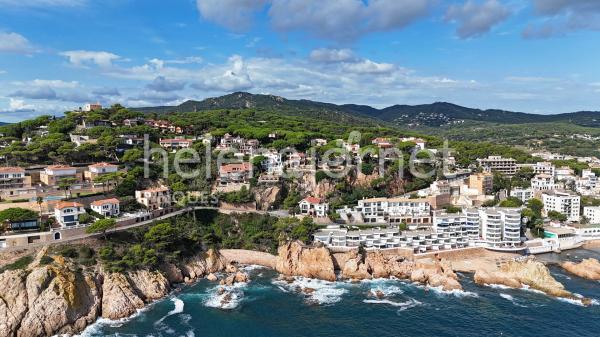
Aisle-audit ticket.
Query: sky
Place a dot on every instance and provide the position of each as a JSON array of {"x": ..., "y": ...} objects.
[{"x": 537, "y": 56}]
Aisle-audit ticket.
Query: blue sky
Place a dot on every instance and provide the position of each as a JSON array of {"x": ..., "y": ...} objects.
[{"x": 536, "y": 56}]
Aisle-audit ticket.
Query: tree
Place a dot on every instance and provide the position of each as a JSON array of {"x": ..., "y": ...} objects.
[
  {"x": 15, "y": 214},
  {"x": 557, "y": 216},
  {"x": 39, "y": 200},
  {"x": 65, "y": 184},
  {"x": 101, "y": 226},
  {"x": 160, "y": 235},
  {"x": 511, "y": 202}
]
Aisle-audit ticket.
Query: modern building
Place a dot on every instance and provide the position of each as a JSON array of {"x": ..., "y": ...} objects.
[
  {"x": 544, "y": 167},
  {"x": 413, "y": 212},
  {"x": 592, "y": 213},
  {"x": 564, "y": 202},
  {"x": 505, "y": 166},
  {"x": 154, "y": 198},
  {"x": 175, "y": 143},
  {"x": 106, "y": 207},
  {"x": 272, "y": 164},
  {"x": 543, "y": 182},
  {"x": 500, "y": 227},
  {"x": 482, "y": 182},
  {"x": 314, "y": 207},
  {"x": 52, "y": 175},
  {"x": 67, "y": 213},
  {"x": 92, "y": 107},
  {"x": 523, "y": 194}
]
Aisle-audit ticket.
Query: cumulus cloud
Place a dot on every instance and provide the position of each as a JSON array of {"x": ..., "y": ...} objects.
[
  {"x": 160, "y": 83},
  {"x": 369, "y": 67},
  {"x": 331, "y": 55},
  {"x": 83, "y": 58},
  {"x": 342, "y": 20},
  {"x": 476, "y": 18},
  {"x": 11, "y": 42},
  {"x": 560, "y": 17},
  {"x": 234, "y": 78},
  {"x": 35, "y": 93}
]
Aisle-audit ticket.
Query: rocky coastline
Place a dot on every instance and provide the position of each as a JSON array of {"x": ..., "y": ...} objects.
[
  {"x": 63, "y": 298},
  {"x": 587, "y": 269}
]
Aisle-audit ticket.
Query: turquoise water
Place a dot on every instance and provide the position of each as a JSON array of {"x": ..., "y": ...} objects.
[{"x": 267, "y": 307}]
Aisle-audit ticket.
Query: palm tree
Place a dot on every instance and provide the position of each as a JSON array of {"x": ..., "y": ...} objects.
[{"x": 40, "y": 200}]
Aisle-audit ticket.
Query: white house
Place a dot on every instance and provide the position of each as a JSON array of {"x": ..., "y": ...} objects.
[
  {"x": 592, "y": 213},
  {"x": 106, "y": 207},
  {"x": 313, "y": 207},
  {"x": 272, "y": 163},
  {"x": 523, "y": 194},
  {"x": 543, "y": 182},
  {"x": 67, "y": 213}
]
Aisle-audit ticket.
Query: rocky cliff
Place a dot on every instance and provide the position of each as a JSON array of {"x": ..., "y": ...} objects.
[
  {"x": 295, "y": 259},
  {"x": 588, "y": 268},
  {"x": 525, "y": 273}
]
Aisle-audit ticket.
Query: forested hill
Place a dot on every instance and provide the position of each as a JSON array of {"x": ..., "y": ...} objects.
[{"x": 429, "y": 115}]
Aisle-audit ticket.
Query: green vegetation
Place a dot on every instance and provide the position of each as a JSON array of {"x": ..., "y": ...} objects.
[
  {"x": 511, "y": 202},
  {"x": 101, "y": 226},
  {"x": 15, "y": 214},
  {"x": 19, "y": 264}
]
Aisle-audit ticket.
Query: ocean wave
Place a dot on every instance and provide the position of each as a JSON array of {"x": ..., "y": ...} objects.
[
  {"x": 225, "y": 297},
  {"x": 497, "y": 286},
  {"x": 179, "y": 305},
  {"x": 440, "y": 291},
  {"x": 387, "y": 287},
  {"x": 95, "y": 328},
  {"x": 512, "y": 300},
  {"x": 321, "y": 292},
  {"x": 411, "y": 303}
]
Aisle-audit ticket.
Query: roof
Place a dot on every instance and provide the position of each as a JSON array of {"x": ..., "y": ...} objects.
[
  {"x": 12, "y": 169},
  {"x": 312, "y": 200},
  {"x": 60, "y": 167},
  {"x": 67, "y": 204},
  {"x": 103, "y": 164},
  {"x": 176, "y": 140},
  {"x": 105, "y": 201},
  {"x": 156, "y": 189},
  {"x": 228, "y": 168}
]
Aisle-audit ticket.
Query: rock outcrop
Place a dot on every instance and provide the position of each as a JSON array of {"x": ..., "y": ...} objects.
[
  {"x": 525, "y": 273},
  {"x": 588, "y": 269},
  {"x": 375, "y": 265},
  {"x": 295, "y": 259}
]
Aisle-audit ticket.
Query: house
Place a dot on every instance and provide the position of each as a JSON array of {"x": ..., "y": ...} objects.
[
  {"x": 272, "y": 163},
  {"x": 176, "y": 143},
  {"x": 67, "y": 213},
  {"x": 13, "y": 178},
  {"x": 92, "y": 107},
  {"x": 382, "y": 143},
  {"x": 99, "y": 169},
  {"x": 154, "y": 198},
  {"x": 318, "y": 142},
  {"x": 132, "y": 140},
  {"x": 314, "y": 207},
  {"x": 52, "y": 175},
  {"x": 234, "y": 173},
  {"x": 81, "y": 139},
  {"x": 543, "y": 182},
  {"x": 296, "y": 159},
  {"x": 106, "y": 207},
  {"x": 523, "y": 194},
  {"x": 130, "y": 122}
]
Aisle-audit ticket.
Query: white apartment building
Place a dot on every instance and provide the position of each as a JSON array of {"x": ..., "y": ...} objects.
[
  {"x": 564, "y": 202},
  {"x": 413, "y": 212},
  {"x": 543, "y": 182},
  {"x": 523, "y": 194},
  {"x": 505, "y": 166},
  {"x": 544, "y": 167},
  {"x": 272, "y": 163},
  {"x": 500, "y": 227},
  {"x": 67, "y": 213},
  {"x": 175, "y": 143},
  {"x": 592, "y": 213},
  {"x": 564, "y": 173}
]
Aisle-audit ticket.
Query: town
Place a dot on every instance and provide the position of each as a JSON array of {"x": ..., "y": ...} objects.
[{"x": 550, "y": 203}]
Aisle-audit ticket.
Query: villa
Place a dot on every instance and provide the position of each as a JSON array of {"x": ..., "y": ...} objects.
[
  {"x": 314, "y": 207},
  {"x": 106, "y": 207},
  {"x": 67, "y": 213},
  {"x": 53, "y": 174}
]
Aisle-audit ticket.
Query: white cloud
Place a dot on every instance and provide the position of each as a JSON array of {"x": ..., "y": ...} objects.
[
  {"x": 234, "y": 78},
  {"x": 331, "y": 55},
  {"x": 369, "y": 67},
  {"x": 160, "y": 83},
  {"x": 19, "y": 104},
  {"x": 56, "y": 84},
  {"x": 560, "y": 17},
  {"x": 83, "y": 58},
  {"x": 342, "y": 20},
  {"x": 476, "y": 18},
  {"x": 11, "y": 42}
]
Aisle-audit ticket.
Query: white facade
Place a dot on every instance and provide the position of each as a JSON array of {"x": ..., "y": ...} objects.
[
  {"x": 564, "y": 202},
  {"x": 592, "y": 213},
  {"x": 313, "y": 207},
  {"x": 523, "y": 194},
  {"x": 506, "y": 166},
  {"x": 543, "y": 182},
  {"x": 272, "y": 163},
  {"x": 67, "y": 213},
  {"x": 107, "y": 207},
  {"x": 544, "y": 167},
  {"x": 500, "y": 226}
]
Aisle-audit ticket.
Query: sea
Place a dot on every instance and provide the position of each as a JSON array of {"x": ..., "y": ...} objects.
[{"x": 267, "y": 306}]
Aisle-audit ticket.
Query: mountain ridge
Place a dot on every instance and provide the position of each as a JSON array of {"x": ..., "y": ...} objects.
[{"x": 436, "y": 114}]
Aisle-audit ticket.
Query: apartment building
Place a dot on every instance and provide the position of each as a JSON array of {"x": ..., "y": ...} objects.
[
  {"x": 53, "y": 174},
  {"x": 500, "y": 227},
  {"x": 505, "y": 166},
  {"x": 564, "y": 173},
  {"x": 544, "y": 167},
  {"x": 482, "y": 182},
  {"x": 564, "y": 202},
  {"x": 154, "y": 198},
  {"x": 523, "y": 194},
  {"x": 314, "y": 207},
  {"x": 413, "y": 212},
  {"x": 543, "y": 182},
  {"x": 175, "y": 143},
  {"x": 272, "y": 164},
  {"x": 67, "y": 213},
  {"x": 106, "y": 207},
  {"x": 592, "y": 213}
]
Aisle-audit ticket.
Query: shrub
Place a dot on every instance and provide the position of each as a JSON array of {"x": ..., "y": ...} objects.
[
  {"x": 68, "y": 252},
  {"x": 45, "y": 260},
  {"x": 21, "y": 263}
]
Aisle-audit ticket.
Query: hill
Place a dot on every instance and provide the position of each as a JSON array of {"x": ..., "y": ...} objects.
[{"x": 424, "y": 115}]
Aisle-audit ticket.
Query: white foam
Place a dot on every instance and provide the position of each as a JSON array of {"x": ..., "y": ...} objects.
[
  {"x": 324, "y": 292},
  {"x": 512, "y": 300},
  {"x": 455, "y": 292},
  {"x": 497, "y": 286},
  {"x": 228, "y": 300},
  {"x": 403, "y": 305},
  {"x": 178, "y": 309},
  {"x": 95, "y": 328}
]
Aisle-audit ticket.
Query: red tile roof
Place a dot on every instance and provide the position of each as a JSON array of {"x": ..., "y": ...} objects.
[
  {"x": 12, "y": 169},
  {"x": 105, "y": 201},
  {"x": 235, "y": 167},
  {"x": 60, "y": 167},
  {"x": 103, "y": 165},
  {"x": 66, "y": 204},
  {"x": 312, "y": 200}
]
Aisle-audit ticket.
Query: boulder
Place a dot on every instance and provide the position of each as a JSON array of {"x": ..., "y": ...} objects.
[
  {"x": 212, "y": 277},
  {"x": 295, "y": 259},
  {"x": 588, "y": 269}
]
